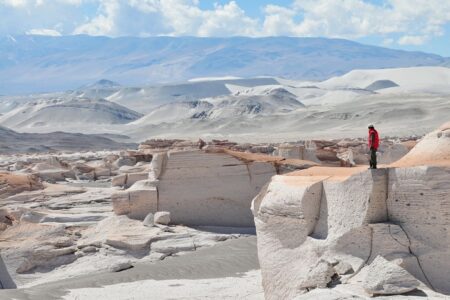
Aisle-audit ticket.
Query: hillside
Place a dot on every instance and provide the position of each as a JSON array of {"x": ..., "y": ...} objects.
[
  {"x": 400, "y": 102},
  {"x": 59, "y": 111},
  {"x": 270, "y": 102},
  {"x": 12, "y": 142},
  {"x": 61, "y": 63}
]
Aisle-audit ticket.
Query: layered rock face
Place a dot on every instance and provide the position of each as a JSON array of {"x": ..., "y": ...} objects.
[
  {"x": 197, "y": 188},
  {"x": 211, "y": 187},
  {"x": 328, "y": 226}
]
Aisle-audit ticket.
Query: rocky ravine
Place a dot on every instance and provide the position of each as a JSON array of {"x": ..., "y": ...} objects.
[{"x": 364, "y": 232}]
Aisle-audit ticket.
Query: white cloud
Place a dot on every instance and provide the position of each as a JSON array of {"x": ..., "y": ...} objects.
[
  {"x": 43, "y": 31},
  {"x": 412, "y": 40},
  {"x": 14, "y": 3},
  {"x": 146, "y": 6},
  {"x": 359, "y": 18},
  {"x": 414, "y": 21},
  {"x": 103, "y": 23},
  {"x": 171, "y": 17},
  {"x": 278, "y": 20}
]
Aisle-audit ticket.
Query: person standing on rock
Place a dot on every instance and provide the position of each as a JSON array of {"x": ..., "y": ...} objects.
[{"x": 374, "y": 142}]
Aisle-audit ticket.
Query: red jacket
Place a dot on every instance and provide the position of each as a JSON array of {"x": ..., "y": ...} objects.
[{"x": 376, "y": 141}]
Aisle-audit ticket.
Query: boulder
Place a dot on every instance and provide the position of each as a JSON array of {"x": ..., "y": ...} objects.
[
  {"x": 47, "y": 258},
  {"x": 122, "y": 233},
  {"x": 103, "y": 173},
  {"x": 119, "y": 180},
  {"x": 11, "y": 184},
  {"x": 136, "y": 202},
  {"x": 139, "y": 156},
  {"x": 125, "y": 161},
  {"x": 128, "y": 179},
  {"x": 149, "y": 220},
  {"x": 120, "y": 266},
  {"x": 346, "y": 158},
  {"x": 386, "y": 278},
  {"x": 173, "y": 245},
  {"x": 162, "y": 217}
]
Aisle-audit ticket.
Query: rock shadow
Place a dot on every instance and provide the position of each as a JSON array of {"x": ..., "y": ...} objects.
[{"x": 6, "y": 282}]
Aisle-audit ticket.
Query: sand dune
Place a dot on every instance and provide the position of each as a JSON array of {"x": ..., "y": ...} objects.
[
  {"x": 400, "y": 102},
  {"x": 417, "y": 79},
  {"x": 53, "y": 113}
]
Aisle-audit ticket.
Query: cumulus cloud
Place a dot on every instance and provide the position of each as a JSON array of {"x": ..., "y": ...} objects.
[
  {"x": 412, "y": 40},
  {"x": 186, "y": 18},
  {"x": 416, "y": 20},
  {"x": 14, "y": 3},
  {"x": 405, "y": 22},
  {"x": 103, "y": 23},
  {"x": 43, "y": 31},
  {"x": 172, "y": 17}
]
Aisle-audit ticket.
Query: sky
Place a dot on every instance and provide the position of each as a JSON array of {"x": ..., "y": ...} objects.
[{"x": 419, "y": 25}]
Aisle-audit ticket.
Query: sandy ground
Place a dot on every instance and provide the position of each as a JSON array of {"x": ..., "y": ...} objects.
[
  {"x": 228, "y": 270},
  {"x": 245, "y": 287}
]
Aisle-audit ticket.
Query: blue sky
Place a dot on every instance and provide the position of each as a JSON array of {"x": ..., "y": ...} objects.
[{"x": 420, "y": 25}]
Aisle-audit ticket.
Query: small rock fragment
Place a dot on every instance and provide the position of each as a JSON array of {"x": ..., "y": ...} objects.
[
  {"x": 386, "y": 278},
  {"x": 149, "y": 220},
  {"x": 32, "y": 217},
  {"x": 121, "y": 266},
  {"x": 319, "y": 276},
  {"x": 89, "y": 249},
  {"x": 162, "y": 217},
  {"x": 343, "y": 268}
]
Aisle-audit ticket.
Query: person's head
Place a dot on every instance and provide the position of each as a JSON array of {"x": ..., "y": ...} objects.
[{"x": 371, "y": 127}]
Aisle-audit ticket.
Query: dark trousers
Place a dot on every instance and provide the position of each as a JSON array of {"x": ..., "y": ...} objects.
[{"x": 373, "y": 158}]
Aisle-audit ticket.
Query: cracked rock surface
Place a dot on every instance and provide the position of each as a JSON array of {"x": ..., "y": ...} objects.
[{"x": 379, "y": 231}]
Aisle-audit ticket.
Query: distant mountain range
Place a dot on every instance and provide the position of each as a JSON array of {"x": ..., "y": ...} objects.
[{"x": 31, "y": 64}]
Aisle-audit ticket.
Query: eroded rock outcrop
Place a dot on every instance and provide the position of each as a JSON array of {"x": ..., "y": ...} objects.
[
  {"x": 326, "y": 226},
  {"x": 11, "y": 184},
  {"x": 200, "y": 188},
  {"x": 212, "y": 187},
  {"x": 137, "y": 201}
]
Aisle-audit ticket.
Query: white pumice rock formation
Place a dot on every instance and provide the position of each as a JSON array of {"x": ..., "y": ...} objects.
[
  {"x": 137, "y": 201},
  {"x": 200, "y": 188},
  {"x": 197, "y": 187},
  {"x": 327, "y": 226}
]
